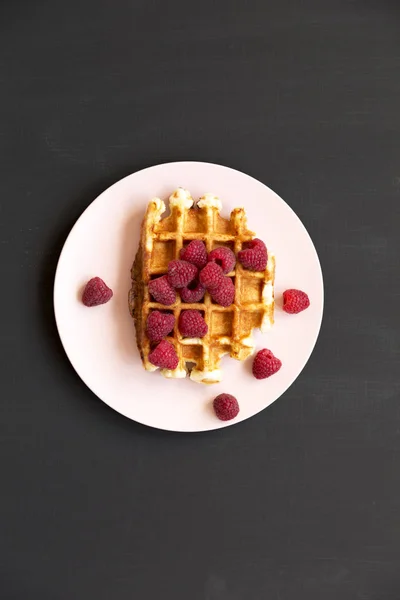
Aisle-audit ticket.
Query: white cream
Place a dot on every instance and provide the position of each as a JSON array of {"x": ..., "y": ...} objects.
[
  {"x": 210, "y": 201},
  {"x": 174, "y": 373},
  {"x": 181, "y": 198},
  {"x": 160, "y": 206},
  {"x": 268, "y": 299},
  {"x": 190, "y": 341},
  {"x": 248, "y": 341},
  {"x": 270, "y": 263},
  {"x": 210, "y": 376},
  {"x": 265, "y": 324},
  {"x": 159, "y": 209},
  {"x": 268, "y": 294}
]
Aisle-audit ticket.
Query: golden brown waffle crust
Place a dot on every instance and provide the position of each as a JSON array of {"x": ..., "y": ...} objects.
[{"x": 230, "y": 328}]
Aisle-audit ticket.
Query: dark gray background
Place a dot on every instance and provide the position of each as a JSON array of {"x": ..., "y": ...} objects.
[{"x": 301, "y": 502}]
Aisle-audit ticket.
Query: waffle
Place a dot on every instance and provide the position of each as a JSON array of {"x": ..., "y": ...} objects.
[{"x": 229, "y": 329}]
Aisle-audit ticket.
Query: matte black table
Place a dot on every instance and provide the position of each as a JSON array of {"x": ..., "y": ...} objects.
[{"x": 301, "y": 502}]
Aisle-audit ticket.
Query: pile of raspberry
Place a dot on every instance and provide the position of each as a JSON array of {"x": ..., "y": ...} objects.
[{"x": 194, "y": 273}]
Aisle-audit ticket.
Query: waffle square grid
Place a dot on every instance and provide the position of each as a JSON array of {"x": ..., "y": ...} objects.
[{"x": 229, "y": 328}]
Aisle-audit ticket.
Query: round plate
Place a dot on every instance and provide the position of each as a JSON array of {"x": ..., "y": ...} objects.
[{"x": 100, "y": 342}]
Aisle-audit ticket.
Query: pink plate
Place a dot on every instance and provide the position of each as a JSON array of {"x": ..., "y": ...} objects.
[{"x": 100, "y": 341}]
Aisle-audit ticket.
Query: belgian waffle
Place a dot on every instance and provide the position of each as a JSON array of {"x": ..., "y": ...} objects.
[{"x": 229, "y": 329}]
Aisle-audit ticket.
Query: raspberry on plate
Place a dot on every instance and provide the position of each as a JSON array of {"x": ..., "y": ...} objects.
[
  {"x": 191, "y": 324},
  {"x": 224, "y": 257},
  {"x": 194, "y": 292},
  {"x": 195, "y": 252},
  {"x": 265, "y": 364},
  {"x": 211, "y": 276},
  {"x": 164, "y": 355},
  {"x": 180, "y": 273},
  {"x": 162, "y": 291},
  {"x": 159, "y": 325},
  {"x": 254, "y": 256},
  {"x": 96, "y": 292},
  {"x": 224, "y": 294},
  {"x": 295, "y": 301},
  {"x": 226, "y": 407}
]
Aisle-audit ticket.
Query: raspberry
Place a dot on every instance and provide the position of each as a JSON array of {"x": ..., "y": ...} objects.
[
  {"x": 255, "y": 256},
  {"x": 164, "y": 355},
  {"x": 265, "y": 364},
  {"x": 294, "y": 301},
  {"x": 225, "y": 293},
  {"x": 226, "y": 407},
  {"x": 159, "y": 324},
  {"x": 96, "y": 292},
  {"x": 180, "y": 273},
  {"x": 194, "y": 292},
  {"x": 224, "y": 257},
  {"x": 161, "y": 291},
  {"x": 192, "y": 324},
  {"x": 211, "y": 276},
  {"x": 195, "y": 253}
]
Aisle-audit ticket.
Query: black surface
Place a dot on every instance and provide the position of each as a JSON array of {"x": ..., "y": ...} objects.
[{"x": 302, "y": 501}]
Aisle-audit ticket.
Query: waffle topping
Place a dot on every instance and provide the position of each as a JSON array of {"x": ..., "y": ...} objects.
[
  {"x": 194, "y": 292},
  {"x": 164, "y": 355},
  {"x": 181, "y": 273},
  {"x": 195, "y": 252},
  {"x": 192, "y": 324},
  {"x": 254, "y": 256},
  {"x": 211, "y": 276},
  {"x": 224, "y": 257},
  {"x": 224, "y": 294},
  {"x": 162, "y": 291},
  {"x": 159, "y": 325}
]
